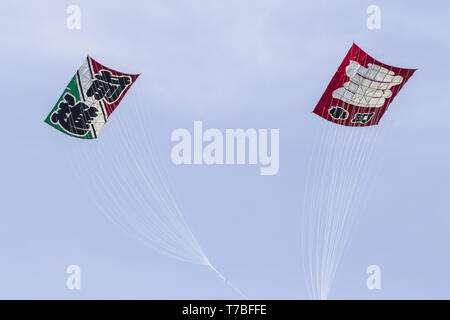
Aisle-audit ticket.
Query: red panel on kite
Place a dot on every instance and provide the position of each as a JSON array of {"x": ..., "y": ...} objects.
[
  {"x": 361, "y": 90},
  {"x": 104, "y": 76}
]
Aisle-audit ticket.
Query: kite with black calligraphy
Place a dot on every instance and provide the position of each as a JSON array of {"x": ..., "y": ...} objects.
[
  {"x": 91, "y": 96},
  {"x": 144, "y": 209}
]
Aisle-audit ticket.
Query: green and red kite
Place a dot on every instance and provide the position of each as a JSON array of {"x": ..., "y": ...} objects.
[{"x": 89, "y": 99}]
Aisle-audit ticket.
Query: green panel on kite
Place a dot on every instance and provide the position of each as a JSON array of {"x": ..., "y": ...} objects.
[{"x": 57, "y": 119}]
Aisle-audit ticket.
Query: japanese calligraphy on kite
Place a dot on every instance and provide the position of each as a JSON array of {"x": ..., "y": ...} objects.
[
  {"x": 89, "y": 99},
  {"x": 361, "y": 90}
]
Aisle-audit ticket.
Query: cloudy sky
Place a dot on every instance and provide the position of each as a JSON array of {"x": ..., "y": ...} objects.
[{"x": 231, "y": 64}]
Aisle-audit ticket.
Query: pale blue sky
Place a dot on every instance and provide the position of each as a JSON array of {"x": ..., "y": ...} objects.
[{"x": 231, "y": 64}]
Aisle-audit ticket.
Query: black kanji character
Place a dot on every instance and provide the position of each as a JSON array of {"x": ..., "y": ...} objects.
[
  {"x": 362, "y": 117},
  {"x": 74, "y": 117},
  {"x": 108, "y": 86},
  {"x": 338, "y": 113}
]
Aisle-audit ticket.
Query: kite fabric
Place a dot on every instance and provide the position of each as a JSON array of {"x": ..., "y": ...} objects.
[
  {"x": 91, "y": 96},
  {"x": 361, "y": 90}
]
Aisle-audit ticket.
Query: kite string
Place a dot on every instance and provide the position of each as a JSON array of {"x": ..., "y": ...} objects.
[
  {"x": 168, "y": 231},
  {"x": 114, "y": 186},
  {"x": 330, "y": 223}
]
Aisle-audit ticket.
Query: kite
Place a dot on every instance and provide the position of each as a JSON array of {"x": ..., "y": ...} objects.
[
  {"x": 340, "y": 169},
  {"x": 361, "y": 90},
  {"x": 145, "y": 209},
  {"x": 91, "y": 96}
]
